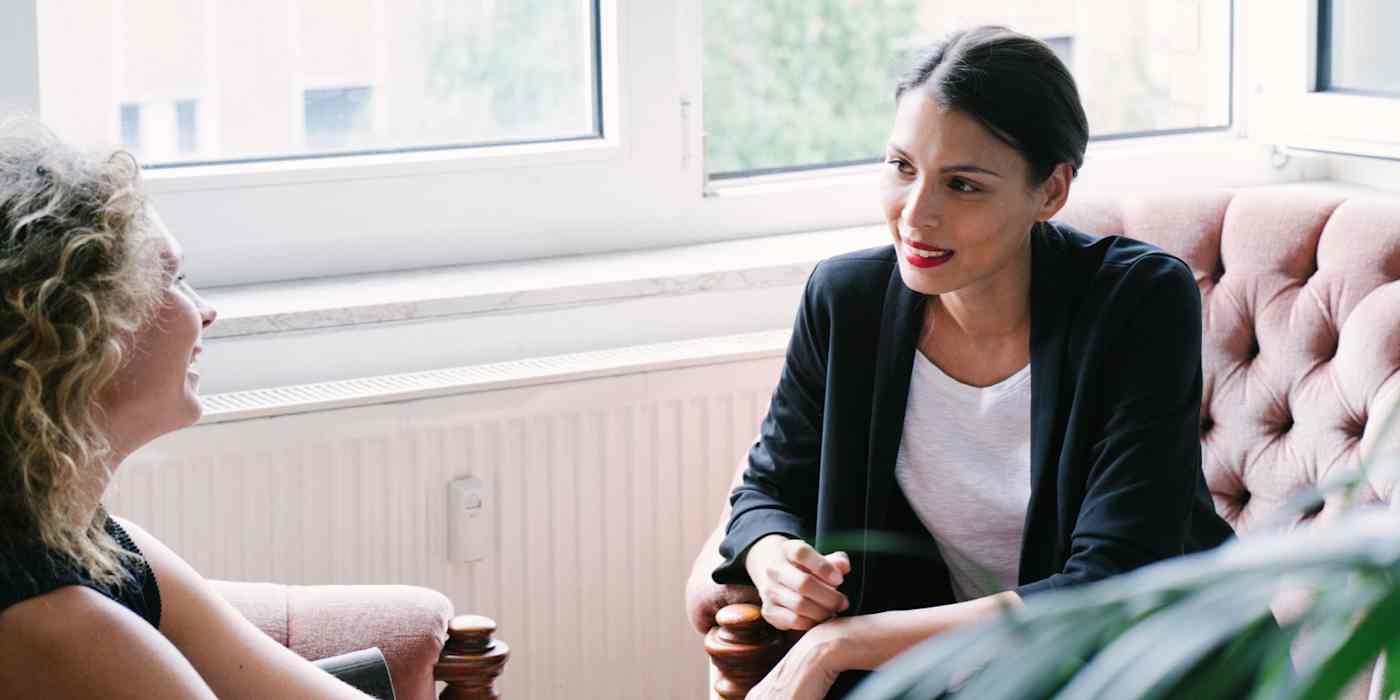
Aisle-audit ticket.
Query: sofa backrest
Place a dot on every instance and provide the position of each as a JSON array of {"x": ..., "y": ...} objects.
[{"x": 1300, "y": 290}]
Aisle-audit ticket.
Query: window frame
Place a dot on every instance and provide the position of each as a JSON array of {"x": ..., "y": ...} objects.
[
  {"x": 641, "y": 184},
  {"x": 1289, "y": 108}
]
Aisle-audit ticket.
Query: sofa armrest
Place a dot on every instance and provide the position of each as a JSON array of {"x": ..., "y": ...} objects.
[{"x": 408, "y": 623}]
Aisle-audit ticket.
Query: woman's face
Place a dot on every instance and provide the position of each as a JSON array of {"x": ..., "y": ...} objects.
[
  {"x": 157, "y": 389},
  {"x": 957, "y": 199}
]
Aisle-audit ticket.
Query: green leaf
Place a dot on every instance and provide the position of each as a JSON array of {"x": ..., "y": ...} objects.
[
  {"x": 1046, "y": 662},
  {"x": 1146, "y": 661},
  {"x": 1390, "y": 681},
  {"x": 1379, "y": 630}
]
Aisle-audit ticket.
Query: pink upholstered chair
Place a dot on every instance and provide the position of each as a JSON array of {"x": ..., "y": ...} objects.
[
  {"x": 409, "y": 624},
  {"x": 1300, "y": 288}
]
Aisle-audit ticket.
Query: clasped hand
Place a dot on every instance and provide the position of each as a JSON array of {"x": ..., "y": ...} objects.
[{"x": 797, "y": 584}]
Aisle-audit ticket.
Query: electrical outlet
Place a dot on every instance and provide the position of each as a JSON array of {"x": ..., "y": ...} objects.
[{"x": 468, "y": 528}]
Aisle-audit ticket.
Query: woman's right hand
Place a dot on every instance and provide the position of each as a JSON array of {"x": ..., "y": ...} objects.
[{"x": 796, "y": 582}]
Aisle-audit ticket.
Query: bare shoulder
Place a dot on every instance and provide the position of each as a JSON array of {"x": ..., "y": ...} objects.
[
  {"x": 76, "y": 643},
  {"x": 186, "y": 598},
  {"x": 175, "y": 577},
  {"x": 150, "y": 547}
]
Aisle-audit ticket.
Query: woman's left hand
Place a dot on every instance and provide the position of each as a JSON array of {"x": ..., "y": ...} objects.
[{"x": 810, "y": 667}]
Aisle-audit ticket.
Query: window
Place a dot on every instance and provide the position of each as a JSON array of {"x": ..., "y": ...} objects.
[
  {"x": 276, "y": 80},
  {"x": 338, "y": 118},
  {"x": 283, "y": 130},
  {"x": 187, "y": 126},
  {"x": 131, "y": 125},
  {"x": 1325, "y": 75},
  {"x": 160, "y": 129},
  {"x": 792, "y": 84},
  {"x": 1357, "y": 51},
  {"x": 1063, "y": 46}
]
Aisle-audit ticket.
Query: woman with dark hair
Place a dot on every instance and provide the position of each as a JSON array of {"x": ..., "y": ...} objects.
[
  {"x": 99, "y": 337},
  {"x": 993, "y": 406}
]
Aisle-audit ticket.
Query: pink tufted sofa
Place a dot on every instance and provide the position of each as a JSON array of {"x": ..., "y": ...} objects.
[
  {"x": 407, "y": 623},
  {"x": 1300, "y": 287}
]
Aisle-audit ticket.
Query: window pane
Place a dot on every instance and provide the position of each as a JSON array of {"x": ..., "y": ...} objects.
[
  {"x": 803, "y": 83},
  {"x": 221, "y": 80},
  {"x": 1358, "y": 51}
]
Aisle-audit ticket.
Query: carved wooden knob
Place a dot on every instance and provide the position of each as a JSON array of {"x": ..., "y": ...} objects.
[
  {"x": 744, "y": 648},
  {"x": 471, "y": 659}
]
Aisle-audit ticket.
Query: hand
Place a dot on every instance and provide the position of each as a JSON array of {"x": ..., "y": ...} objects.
[
  {"x": 797, "y": 583},
  {"x": 810, "y": 667},
  {"x": 704, "y": 598}
]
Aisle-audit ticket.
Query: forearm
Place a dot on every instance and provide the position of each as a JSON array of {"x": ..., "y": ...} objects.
[{"x": 871, "y": 640}]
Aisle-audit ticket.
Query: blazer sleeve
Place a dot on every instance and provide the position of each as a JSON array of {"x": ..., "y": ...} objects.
[
  {"x": 779, "y": 490},
  {"x": 1145, "y": 465}
]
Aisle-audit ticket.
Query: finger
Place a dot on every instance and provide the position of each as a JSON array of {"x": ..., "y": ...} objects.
[
  {"x": 785, "y": 597},
  {"x": 784, "y": 619},
  {"x": 802, "y": 554},
  {"x": 738, "y": 593},
  {"x": 841, "y": 561},
  {"x": 811, "y": 588}
]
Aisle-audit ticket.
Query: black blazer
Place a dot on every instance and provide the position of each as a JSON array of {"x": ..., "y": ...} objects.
[{"x": 1116, "y": 477}]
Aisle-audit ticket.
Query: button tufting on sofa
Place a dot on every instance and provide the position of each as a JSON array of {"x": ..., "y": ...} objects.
[{"x": 1306, "y": 266}]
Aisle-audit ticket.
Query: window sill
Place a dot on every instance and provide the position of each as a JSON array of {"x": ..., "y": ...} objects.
[{"x": 530, "y": 285}]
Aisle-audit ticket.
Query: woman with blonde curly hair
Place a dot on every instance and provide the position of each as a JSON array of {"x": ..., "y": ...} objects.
[{"x": 99, "y": 333}]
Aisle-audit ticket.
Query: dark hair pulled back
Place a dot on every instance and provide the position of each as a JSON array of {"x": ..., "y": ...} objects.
[{"x": 1015, "y": 86}]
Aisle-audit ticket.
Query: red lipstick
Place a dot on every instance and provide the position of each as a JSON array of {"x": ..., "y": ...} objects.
[{"x": 922, "y": 262}]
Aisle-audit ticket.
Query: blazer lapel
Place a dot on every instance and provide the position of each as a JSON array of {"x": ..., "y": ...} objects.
[
  {"x": 899, "y": 334},
  {"x": 1048, "y": 323}
]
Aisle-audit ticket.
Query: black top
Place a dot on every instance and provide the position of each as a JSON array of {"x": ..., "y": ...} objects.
[
  {"x": 29, "y": 570},
  {"x": 1116, "y": 478}
]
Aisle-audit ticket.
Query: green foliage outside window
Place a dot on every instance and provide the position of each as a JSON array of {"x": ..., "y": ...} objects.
[{"x": 802, "y": 82}]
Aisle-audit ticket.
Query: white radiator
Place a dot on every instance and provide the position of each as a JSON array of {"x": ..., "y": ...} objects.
[{"x": 604, "y": 474}]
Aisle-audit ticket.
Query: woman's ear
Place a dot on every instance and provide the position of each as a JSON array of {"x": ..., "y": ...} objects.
[{"x": 1055, "y": 191}]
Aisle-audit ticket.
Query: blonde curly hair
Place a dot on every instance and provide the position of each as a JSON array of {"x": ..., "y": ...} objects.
[{"x": 75, "y": 284}]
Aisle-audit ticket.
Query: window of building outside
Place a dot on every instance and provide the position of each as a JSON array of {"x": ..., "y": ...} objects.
[
  {"x": 159, "y": 129},
  {"x": 131, "y": 125},
  {"x": 187, "y": 126},
  {"x": 271, "y": 79},
  {"x": 339, "y": 118},
  {"x": 795, "y": 84},
  {"x": 1357, "y": 50}
]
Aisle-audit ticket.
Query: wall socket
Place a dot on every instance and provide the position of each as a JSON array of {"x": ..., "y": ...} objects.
[{"x": 468, "y": 528}]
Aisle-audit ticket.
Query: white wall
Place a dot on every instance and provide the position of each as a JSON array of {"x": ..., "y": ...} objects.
[{"x": 1379, "y": 173}]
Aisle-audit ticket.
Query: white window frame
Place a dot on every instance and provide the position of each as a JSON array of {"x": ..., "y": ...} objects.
[
  {"x": 641, "y": 185},
  {"x": 1289, "y": 110}
]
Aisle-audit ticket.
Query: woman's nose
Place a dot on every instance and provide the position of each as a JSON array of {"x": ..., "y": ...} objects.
[{"x": 922, "y": 209}]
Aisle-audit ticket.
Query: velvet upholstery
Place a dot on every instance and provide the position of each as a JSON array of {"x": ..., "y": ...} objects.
[
  {"x": 407, "y": 623},
  {"x": 1300, "y": 290},
  {"x": 1301, "y": 301}
]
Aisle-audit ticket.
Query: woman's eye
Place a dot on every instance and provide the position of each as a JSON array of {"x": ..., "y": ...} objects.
[
  {"x": 962, "y": 185},
  {"x": 902, "y": 165}
]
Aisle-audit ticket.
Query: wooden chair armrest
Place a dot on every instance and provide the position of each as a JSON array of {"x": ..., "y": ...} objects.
[
  {"x": 743, "y": 648},
  {"x": 471, "y": 659}
]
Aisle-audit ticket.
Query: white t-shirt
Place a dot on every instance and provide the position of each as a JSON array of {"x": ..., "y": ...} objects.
[{"x": 964, "y": 464}]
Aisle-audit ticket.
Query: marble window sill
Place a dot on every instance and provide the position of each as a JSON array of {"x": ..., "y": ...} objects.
[{"x": 506, "y": 287}]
